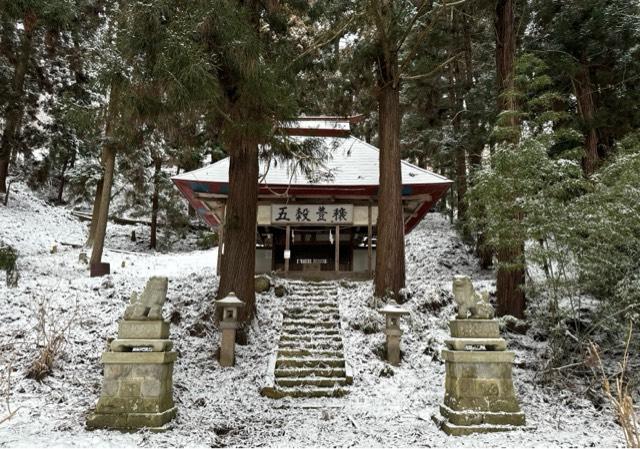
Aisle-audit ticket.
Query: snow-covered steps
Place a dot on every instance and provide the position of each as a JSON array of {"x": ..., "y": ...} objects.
[
  {"x": 307, "y": 381},
  {"x": 306, "y": 392},
  {"x": 310, "y": 372},
  {"x": 308, "y": 340},
  {"x": 309, "y": 361}
]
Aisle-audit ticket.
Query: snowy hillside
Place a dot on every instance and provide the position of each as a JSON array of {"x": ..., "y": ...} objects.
[{"x": 223, "y": 407}]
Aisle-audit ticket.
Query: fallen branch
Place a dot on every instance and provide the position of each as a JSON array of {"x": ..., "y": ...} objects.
[
  {"x": 570, "y": 365},
  {"x": 72, "y": 245},
  {"x": 117, "y": 220},
  {"x": 418, "y": 417},
  {"x": 9, "y": 416},
  {"x": 131, "y": 221}
]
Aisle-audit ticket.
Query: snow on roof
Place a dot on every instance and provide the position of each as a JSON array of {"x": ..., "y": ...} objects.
[
  {"x": 318, "y": 124},
  {"x": 350, "y": 162}
]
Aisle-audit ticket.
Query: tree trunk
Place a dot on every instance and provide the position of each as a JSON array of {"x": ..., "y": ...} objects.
[
  {"x": 238, "y": 263},
  {"x": 586, "y": 108},
  {"x": 62, "y": 181},
  {"x": 510, "y": 296},
  {"x": 155, "y": 201},
  {"x": 505, "y": 57},
  {"x": 482, "y": 250},
  {"x": 15, "y": 107},
  {"x": 461, "y": 183},
  {"x": 390, "y": 260},
  {"x": 109, "y": 162},
  {"x": 456, "y": 106},
  {"x": 4, "y": 173},
  {"x": 95, "y": 213},
  {"x": 510, "y": 275}
]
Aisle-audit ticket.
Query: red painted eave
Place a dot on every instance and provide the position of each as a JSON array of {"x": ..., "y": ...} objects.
[{"x": 436, "y": 191}]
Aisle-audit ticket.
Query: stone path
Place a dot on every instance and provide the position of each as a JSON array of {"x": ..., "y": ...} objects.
[{"x": 309, "y": 361}]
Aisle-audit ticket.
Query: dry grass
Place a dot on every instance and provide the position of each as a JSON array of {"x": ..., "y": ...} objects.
[
  {"x": 52, "y": 336},
  {"x": 5, "y": 382},
  {"x": 617, "y": 391}
]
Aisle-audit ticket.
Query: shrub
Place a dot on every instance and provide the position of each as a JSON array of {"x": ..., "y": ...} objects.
[
  {"x": 581, "y": 238},
  {"x": 207, "y": 240},
  {"x": 367, "y": 321},
  {"x": 618, "y": 392},
  {"x": 8, "y": 257}
]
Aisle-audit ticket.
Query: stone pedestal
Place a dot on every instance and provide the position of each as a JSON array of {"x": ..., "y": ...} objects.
[
  {"x": 479, "y": 395},
  {"x": 471, "y": 328},
  {"x": 136, "y": 392},
  {"x": 138, "y": 371}
]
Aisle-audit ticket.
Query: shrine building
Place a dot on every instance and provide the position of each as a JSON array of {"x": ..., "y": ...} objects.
[{"x": 319, "y": 226}]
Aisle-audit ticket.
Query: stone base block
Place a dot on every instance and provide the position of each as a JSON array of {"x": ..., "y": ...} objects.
[
  {"x": 480, "y": 381},
  {"x": 137, "y": 390},
  {"x": 474, "y": 328},
  {"x": 457, "y": 431},
  {"x": 477, "y": 418},
  {"x": 479, "y": 395},
  {"x": 150, "y": 330},
  {"x": 130, "y": 420}
]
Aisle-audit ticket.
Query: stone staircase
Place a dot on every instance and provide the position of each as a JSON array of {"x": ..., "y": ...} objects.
[{"x": 309, "y": 361}]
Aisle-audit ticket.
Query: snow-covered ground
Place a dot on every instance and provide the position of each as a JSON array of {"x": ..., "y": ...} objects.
[{"x": 223, "y": 407}]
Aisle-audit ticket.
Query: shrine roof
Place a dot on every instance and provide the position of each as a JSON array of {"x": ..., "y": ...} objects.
[{"x": 349, "y": 161}]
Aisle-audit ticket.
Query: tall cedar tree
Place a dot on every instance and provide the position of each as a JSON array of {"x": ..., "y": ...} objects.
[
  {"x": 251, "y": 72},
  {"x": 390, "y": 260},
  {"x": 168, "y": 77},
  {"x": 236, "y": 76},
  {"x": 398, "y": 28},
  {"x": 511, "y": 271},
  {"x": 116, "y": 85},
  {"x": 109, "y": 151}
]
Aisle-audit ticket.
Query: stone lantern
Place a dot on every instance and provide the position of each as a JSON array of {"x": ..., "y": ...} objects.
[
  {"x": 393, "y": 313},
  {"x": 229, "y": 324}
]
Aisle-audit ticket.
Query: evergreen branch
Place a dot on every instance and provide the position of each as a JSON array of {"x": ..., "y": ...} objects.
[
  {"x": 556, "y": 51},
  {"x": 320, "y": 44},
  {"x": 434, "y": 71},
  {"x": 445, "y": 4},
  {"x": 414, "y": 20},
  {"x": 414, "y": 49}
]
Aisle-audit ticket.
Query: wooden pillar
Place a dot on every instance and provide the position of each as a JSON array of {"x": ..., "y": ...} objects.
[
  {"x": 220, "y": 246},
  {"x": 287, "y": 247},
  {"x": 369, "y": 245},
  {"x": 337, "y": 248}
]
